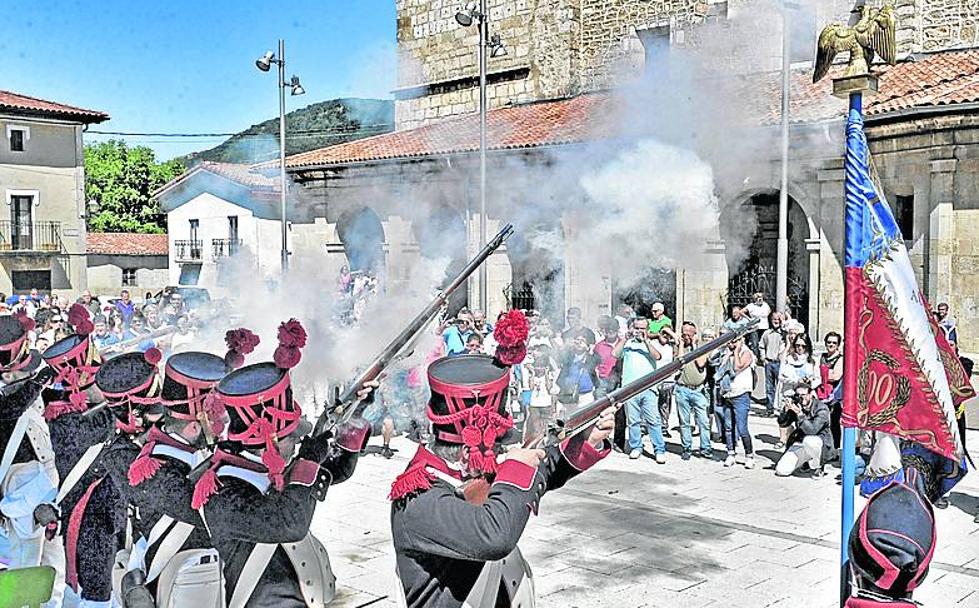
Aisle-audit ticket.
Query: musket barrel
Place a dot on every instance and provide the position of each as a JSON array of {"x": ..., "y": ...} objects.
[{"x": 423, "y": 318}]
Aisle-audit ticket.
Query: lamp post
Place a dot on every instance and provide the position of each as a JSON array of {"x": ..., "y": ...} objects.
[
  {"x": 468, "y": 16},
  {"x": 264, "y": 63}
]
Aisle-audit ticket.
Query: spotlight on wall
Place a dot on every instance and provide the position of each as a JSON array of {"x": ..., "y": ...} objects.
[
  {"x": 497, "y": 48},
  {"x": 466, "y": 16},
  {"x": 297, "y": 89}
]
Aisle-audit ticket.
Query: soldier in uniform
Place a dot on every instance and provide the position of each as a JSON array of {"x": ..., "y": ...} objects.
[
  {"x": 173, "y": 564},
  {"x": 457, "y": 514},
  {"x": 28, "y": 477},
  {"x": 259, "y": 492},
  {"x": 79, "y": 430}
]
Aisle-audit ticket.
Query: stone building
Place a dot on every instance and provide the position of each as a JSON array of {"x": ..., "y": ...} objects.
[
  {"x": 124, "y": 260},
  {"x": 404, "y": 200}
]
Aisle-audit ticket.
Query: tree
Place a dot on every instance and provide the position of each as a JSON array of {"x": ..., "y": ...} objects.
[{"x": 121, "y": 180}]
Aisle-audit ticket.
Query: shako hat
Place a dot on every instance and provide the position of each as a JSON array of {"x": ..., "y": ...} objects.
[
  {"x": 893, "y": 540},
  {"x": 131, "y": 386},
  {"x": 15, "y": 348},
  {"x": 75, "y": 361},
  {"x": 261, "y": 409},
  {"x": 468, "y": 405}
]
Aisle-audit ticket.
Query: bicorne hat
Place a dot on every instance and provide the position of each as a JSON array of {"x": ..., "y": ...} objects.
[
  {"x": 131, "y": 386},
  {"x": 15, "y": 349},
  {"x": 468, "y": 405},
  {"x": 893, "y": 540}
]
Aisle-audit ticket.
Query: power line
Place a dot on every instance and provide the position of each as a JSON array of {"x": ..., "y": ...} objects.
[{"x": 351, "y": 129}]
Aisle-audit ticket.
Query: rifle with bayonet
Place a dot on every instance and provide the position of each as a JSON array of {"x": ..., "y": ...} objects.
[
  {"x": 125, "y": 344},
  {"x": 585, "y": 416},
  {"x": 340, "y": 412}
]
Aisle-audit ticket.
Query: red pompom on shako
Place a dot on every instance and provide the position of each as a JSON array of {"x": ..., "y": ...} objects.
[
  {"x": 511, "y": 333},
  {"x": 261, "y": 410},
  {"x": 240, "y": 343},
  {"x": 468, "y": 407},
  {"x": 78, "y": 318}
]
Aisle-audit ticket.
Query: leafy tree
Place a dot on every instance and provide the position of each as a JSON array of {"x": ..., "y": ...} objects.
[{"x": 121, "y": 180}]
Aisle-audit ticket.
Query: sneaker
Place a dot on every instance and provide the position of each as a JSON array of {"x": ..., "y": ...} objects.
[
  {"x": 818, "y": 473},
  {"x": 941, "y": 503},
  {"x": 729, "y": 461},
  {"x": 685, "y": 455},
  {"x": 387, "y": 452},
  {"x": 739, "y": 458},
  {"x": 780, "y": 445},
  {"x": 661, "y": 459},
  {"x": 635, "y": 454},
  {"x": 695, "y": 432},
  {"x": 976, "y": 520},
  {"x": 667, "y": 435},
  {"x": 749, "y": 462}
]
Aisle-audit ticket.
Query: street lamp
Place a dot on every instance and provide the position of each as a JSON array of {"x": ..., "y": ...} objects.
[
  {"x": 473, "y": 13},
  {"x": 264, "y": 63}
]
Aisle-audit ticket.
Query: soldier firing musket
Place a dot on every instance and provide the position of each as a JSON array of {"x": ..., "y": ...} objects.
[{"x": 339, "y": 413}]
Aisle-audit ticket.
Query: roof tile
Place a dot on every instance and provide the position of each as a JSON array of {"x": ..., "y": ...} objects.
[
  {"x": 18, "y": 103},
  {"x": 127, "y": 243}
]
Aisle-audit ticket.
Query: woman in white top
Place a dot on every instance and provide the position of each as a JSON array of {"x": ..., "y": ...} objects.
[
  {"x": 798, "y": 367},
  {"x": 737, "y": 381}
]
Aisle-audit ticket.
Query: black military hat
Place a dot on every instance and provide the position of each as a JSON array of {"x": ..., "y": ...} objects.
[
  {"x": 75, "y": 358},
  {"x": 468, "y": 405},
  {"x": 893, "y": 540},
  {"x": 131, "y": 385},
  {"x": 187, "y": 379},
  {"x": 15, "y": 350},
  {"x": 260, "y": 405}
]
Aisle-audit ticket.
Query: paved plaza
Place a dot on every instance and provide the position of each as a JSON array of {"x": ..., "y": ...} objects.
[{"x": 632, "y": 534}]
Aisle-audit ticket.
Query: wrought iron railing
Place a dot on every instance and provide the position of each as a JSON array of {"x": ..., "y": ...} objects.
[
  {"x": 188, "y": 251},
  {"x": 521, "y": 298},
  {"x": 222, "y": 248},
  {"x": 30, "y": 236}
]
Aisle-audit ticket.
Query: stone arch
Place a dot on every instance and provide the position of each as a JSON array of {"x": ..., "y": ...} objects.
[
  {"x": 537, "y": 271},
  {"x": 362, "y": 234},
  {"x": 442, "y": 238},
  {"x": 749, "y": 228}
]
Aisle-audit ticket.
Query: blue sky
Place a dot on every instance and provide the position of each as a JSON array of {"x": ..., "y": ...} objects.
[{"x": 188, "y": 67}]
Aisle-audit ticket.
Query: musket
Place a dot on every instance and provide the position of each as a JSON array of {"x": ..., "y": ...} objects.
[
  {"x": 583, "y": 417},
  {"x": 123, "y": 345},
  {"x": 339, "y": 412}
]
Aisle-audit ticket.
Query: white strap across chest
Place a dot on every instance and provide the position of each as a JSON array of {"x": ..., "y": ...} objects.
[
  {"x": 10, "y": 451},
  {"x": 78, "y": 471}
]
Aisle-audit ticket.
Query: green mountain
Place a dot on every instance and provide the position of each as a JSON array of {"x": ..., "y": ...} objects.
[{"x": 316, "y": 126}]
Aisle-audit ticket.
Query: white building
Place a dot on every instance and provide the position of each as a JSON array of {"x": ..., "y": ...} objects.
[
  {"x": 217, "y": 212},
  {"x": 124, "y": 260}
]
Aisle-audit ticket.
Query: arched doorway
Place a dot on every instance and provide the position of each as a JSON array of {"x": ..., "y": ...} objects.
[
  {"x": 537, "y": 272},
  {"x": 752, "y": 258},
  {"x": 441, "y": 237},
  {"x": 362, "y": 234}
]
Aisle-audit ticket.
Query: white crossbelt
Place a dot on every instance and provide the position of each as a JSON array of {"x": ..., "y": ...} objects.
[
  {"x": 77, "y": 471},
  {"x": 10, "y": 451}
]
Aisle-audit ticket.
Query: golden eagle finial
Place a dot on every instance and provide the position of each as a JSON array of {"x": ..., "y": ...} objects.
[{"x": 875, "y": 32}]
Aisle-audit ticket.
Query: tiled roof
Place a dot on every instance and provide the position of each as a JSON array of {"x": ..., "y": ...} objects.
[
  {"x": 23, "y": 104},
  {"x": 545, "y": 123},
  {"x": 930, "y": 80},
  {"x": 126, "y": 243},
  {"x": 243, "y": 174}
]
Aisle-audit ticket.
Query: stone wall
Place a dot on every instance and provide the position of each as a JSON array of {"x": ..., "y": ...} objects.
[{"x": 947, "y": 24}]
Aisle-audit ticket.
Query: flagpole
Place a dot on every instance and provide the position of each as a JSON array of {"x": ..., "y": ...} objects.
[{"x": 849, "y": 443}]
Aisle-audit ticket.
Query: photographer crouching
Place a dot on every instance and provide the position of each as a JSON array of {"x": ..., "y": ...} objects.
[{"x": 812, "y": 440}]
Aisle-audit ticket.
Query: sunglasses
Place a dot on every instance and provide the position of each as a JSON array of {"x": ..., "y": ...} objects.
[
  {"x": 56, "y": 320},
  {"x": 800, "y": 345},
  {"x": 832, "y": 343}
]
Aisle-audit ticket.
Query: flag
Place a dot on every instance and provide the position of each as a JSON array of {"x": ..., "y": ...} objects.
[{"x": 901, "y": 375}]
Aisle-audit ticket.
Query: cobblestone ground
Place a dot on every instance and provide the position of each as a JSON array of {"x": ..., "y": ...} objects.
[{"x": 632, "y": 533}]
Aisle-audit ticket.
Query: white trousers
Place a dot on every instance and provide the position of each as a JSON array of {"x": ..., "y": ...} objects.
[{"x": 810, "y": 450}]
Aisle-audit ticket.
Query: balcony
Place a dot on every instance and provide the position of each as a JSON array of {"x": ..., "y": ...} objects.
[
  {"x": 224, "y": 248},
  {"x": 188, "y": 251},
  {"x": 30, "y": 237}
]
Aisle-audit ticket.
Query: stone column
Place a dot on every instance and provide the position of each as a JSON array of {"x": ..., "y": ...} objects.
[
  {"x": 941, "y": 230},
  {"x": 826, "y": 275}
]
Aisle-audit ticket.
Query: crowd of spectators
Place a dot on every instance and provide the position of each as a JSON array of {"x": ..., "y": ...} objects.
[{"x": 164, "y": 321}]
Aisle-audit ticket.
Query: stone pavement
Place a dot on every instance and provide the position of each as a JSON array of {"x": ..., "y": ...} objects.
[{"x": 632, "y": 534}]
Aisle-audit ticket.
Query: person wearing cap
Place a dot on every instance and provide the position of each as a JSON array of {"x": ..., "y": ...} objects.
[
  {"x": 28, "y": 477},
  {"x": 891, "y": 544},
  {"x": 458, "y": 510},
  {"x": 172, "y": 563},
  {"x": 261, "y": 486}
]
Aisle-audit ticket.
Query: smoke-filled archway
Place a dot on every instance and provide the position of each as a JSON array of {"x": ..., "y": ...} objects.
[
  {"x": 441, "y": 237},
  {"x": 538, "y": 271},
  {"x": 362, "y": 234}
]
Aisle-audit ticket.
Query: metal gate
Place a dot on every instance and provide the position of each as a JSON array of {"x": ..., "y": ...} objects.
[{"x": 756, "y": 278}]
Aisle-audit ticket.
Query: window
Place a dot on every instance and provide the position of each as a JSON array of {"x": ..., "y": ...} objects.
[
  {"x": 194, "y": 225},
  {"x": 17, "y": 140},
  {"x": 129, "y": 277},
  {"x": 21, "y": 220},
  {"x": 904, "y": 214}
]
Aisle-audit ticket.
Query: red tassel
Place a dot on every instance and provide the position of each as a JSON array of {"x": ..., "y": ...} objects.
[
  {"x": 276, "y": 466},
  {"x": 207, "y": 486},
  {"x": 411, "y": 481},
  {"x": 143, "y": 468}
]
